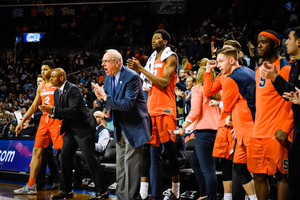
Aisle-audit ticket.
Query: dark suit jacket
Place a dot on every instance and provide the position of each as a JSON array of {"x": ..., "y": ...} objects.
[
  {"x": 4, "y": 129},
  {"x": 186, "y": 106},
  {"x": 76, "y": 116},
  {"x": 129, "y": 108}
]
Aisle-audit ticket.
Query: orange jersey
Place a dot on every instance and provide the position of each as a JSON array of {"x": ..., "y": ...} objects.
[
  {"x": 47, "y": 94},
  {"x": 211, "y": 88},
  {"x": 272, "y": 110},
  {"x": 239, "y": 98},
  {"x": 162, "y": 101}
]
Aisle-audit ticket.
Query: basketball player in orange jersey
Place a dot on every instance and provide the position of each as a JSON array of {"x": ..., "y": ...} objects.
[
  {"x": 223, "y": 147},
  {"x": 267, "y": 155},
  {"x": 49, "y": 129},
  {"x": 160, "y": 75},
  {"x": 238, "y": 99}
]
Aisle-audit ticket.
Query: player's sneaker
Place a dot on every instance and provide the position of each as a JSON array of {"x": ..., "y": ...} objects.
[
  {"x": 173, "y": 197},
  {"x": 26, "y": 190}
]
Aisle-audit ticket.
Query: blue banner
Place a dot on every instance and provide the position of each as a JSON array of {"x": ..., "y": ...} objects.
[{"x": 15, "y": 155}]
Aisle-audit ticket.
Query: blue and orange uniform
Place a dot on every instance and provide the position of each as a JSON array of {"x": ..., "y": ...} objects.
[
  {"x": 266, "y": 153},
  {"x": 239, "y": 99}
]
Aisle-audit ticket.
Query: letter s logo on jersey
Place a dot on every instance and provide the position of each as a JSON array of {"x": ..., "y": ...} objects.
[{"x": 285, "y": 164}]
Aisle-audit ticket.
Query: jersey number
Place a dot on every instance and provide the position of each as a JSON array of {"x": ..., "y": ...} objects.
[
  {"x": 262, "y": 82},
  {"x": 47, "y": 99},
  {"x": 285, "y": 164}
]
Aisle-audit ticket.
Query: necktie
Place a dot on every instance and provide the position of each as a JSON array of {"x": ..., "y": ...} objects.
[
  {"x": 113, "y": 85},
  {"x": 60, "y": 98}
]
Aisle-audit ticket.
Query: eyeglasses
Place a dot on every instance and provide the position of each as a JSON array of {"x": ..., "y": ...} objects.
[
  {"x": 107, "y": 61},
  {"x": 98, "y": 117}
]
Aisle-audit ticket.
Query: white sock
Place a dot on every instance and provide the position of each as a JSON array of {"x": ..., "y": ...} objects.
[
  {"x": 227, "y": 196},
  {"x": 144, "y": 189},
  {"x": 176, "y": 189},
  {"x": 252, "y": 197},
  {"x": 246, "y": 197}
]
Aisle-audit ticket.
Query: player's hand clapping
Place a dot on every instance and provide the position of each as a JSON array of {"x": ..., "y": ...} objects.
[
  {"x": 133, "y": 64},
  {"x": 294, "y": 97},
  {"x": 268, "y": 71}
]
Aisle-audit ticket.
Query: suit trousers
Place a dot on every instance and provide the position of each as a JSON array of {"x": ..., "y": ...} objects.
[
  {"x": 128, "y": 170},
  {"x": 87, "y": 147}
]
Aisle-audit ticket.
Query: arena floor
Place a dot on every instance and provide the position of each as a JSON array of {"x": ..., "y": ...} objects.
[{"x": 7, "y": 187}]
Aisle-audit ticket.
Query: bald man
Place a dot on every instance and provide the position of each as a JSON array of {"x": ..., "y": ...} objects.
[{"x": 79, "y": 126}]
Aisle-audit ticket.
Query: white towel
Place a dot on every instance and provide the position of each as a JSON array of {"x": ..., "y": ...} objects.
[
  {"x": 18, "y": 116},
  {"x": 147, "y": 84}
]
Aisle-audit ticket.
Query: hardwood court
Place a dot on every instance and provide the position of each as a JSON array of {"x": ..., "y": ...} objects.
[{"x": 6, "y": 193}]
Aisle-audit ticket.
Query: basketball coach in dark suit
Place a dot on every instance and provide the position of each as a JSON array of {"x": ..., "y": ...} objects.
[
  {"x": 79, "y": 126},
  {"x": 124, "y": 96}
]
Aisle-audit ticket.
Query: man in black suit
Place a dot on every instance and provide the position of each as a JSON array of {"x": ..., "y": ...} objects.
[
  {"x": 79, "y": 126},
  {"x": 4, "y": 127}
]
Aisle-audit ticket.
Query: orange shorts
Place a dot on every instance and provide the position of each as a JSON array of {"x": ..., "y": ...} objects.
[
  {"x": 49, "y": 129},
  {"x": 223, "y": 147},
  {"x": 162, "y": 128},
  {"x": 240, "y": 154},
  {"x": 266, "y": 155}
]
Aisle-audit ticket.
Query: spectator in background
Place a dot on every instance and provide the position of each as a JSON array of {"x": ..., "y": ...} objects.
[
  {"x": 140, "y": 56},
  {"x": 73, "y": 24},
  {"x": 4, "y": 127},
  {"x": 97, "y": 54},
  {"x": 71, "y": 54},
  {"x": 204, "y": 47},
  {"x": 186, "y": 64},
  {"x": 97, "y": 107},
  {"x": 14, "y": 79},
  {"x": 12, "y": 128},
  {"x": 24, "y": 76},
  {"x": 25, "y": 28},
  {"x": 11, "y": 118},
  {"x": 181, "y": 80},
  {"x": 183, "y": 99},
  {"x": 190, "y": 82},
  {"x": 18, "y": 90},
  {"x": 89, "y": 96}
]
